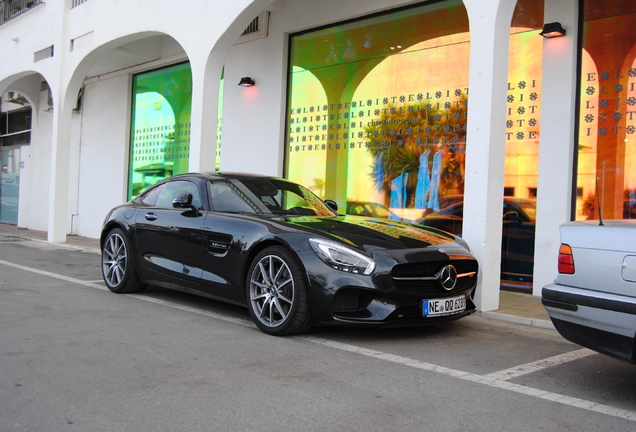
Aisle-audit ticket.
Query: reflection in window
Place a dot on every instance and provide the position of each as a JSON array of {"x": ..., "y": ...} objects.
[
  {"x": 172, "y": 190},
  {"x": 369, "y": 98},
  {"x": 606, "y": 163},
  {"x": 160, "y": 129},
  {"x": 378, "y": 109}
]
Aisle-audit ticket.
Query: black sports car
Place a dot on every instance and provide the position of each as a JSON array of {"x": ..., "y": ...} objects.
[{"x": 276, "y": 247}]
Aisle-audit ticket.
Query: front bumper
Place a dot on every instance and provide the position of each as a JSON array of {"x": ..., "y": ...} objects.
[
  {"x": 600, "y": 321},
  {"x": 340, "y": 298}
]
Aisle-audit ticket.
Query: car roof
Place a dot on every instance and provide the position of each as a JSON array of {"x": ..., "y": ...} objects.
[{"x": 216, "y": 175}]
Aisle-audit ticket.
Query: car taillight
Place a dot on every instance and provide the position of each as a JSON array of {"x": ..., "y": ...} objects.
[{"x": 566, "y": 260}]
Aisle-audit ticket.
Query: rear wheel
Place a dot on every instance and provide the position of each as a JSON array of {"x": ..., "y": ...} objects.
[
  {"x": 117, "y": 264},
  {"x": 277, "y": 295}
]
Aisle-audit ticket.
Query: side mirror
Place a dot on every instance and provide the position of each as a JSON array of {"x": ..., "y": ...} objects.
[
  {"x": 183, "y": 201},
  {"x": 511, "y": 216},
  {"x": 332, "y": 205}
]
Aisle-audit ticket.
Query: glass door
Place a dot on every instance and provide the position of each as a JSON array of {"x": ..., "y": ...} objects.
[{"x": 10, "y": 186}]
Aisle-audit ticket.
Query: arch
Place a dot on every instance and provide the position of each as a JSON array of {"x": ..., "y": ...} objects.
[
  {"x": 208, "y": 77},
  {"x": 26, "y": 83}
]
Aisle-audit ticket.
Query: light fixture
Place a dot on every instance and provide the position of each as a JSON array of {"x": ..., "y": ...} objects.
[
  {"x": 368, "y": 38},
  {"x": 246, "y": 82},
  {"x": 332, "y": 57},
  {"x": 552, "y": 30},
  {"x": 350, "y": 52}
]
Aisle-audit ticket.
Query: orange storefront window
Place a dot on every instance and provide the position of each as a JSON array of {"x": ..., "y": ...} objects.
[
  {"x": 378, "y": 111},
  {"x": 606, "y": 166}
]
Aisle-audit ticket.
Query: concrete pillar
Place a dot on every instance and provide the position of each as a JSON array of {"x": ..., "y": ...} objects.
[
  {"x": 486, "y": 144},
  {"x": 557, "y": 140},
  {"x": 60, "y": 166},
  {"x": 205, "y": 100}
]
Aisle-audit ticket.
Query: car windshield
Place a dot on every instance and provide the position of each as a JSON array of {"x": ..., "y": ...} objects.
[
  {"x": 529, "y": 208},
  {"x": 265, "y": 196}
]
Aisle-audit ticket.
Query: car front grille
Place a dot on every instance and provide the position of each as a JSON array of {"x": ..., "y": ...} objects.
[{"x": 466, "y": 271}]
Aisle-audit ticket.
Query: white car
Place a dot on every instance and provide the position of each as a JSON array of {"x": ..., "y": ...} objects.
[{"x": 592, "y": 302}]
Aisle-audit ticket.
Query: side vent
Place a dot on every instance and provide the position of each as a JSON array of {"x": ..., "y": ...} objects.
[
  {"x": 252, "y": 28},
  {"x": 256, "y": 30},
  {"x": 43, "y": 54},
  {"x": 219, "y": 244}
]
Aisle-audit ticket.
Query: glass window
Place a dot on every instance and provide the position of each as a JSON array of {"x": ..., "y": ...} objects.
[
  {"x": 150, "y": 197},
  {"x": 225, "y": 199},
  {"x": 265, "y": 196},
  {"x": 15, "y": 120},
  {"x": 606, "y": 165},
  {"x": 171, "y": 190},
  {"x": 160, "y": 131},
  {"x": 378, "y": 109}
]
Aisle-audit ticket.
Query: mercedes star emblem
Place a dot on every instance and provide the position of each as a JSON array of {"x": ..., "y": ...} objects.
[{"x": 447, "y": 277}]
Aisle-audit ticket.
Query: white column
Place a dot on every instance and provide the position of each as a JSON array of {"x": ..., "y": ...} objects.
[
  {"x": 205, "y": 99},
  {"x": 556, "y": 148},
  {"x": 59, "y": 181},
  {"x": 486, "y": 144}
]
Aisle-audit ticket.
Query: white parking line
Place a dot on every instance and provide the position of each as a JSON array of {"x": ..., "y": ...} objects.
[
  {"x": 482, "y": 379},
  {"x": 55, "y": 275},
  {"x": 538, "y": 365},
  {"x": 496, "y": 379}
]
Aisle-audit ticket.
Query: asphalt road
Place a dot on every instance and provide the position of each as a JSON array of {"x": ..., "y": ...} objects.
[{"x": 76, "y": 357}]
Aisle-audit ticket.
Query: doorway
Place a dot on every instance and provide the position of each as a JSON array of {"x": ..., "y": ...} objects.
[{"x": 10, "y": 186}]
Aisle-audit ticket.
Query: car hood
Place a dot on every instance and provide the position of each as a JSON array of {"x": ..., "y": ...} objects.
[{"x": 371, "y": 234}]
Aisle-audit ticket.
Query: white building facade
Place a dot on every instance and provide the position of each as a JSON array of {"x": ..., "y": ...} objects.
[{"x": 75, "y": 74}]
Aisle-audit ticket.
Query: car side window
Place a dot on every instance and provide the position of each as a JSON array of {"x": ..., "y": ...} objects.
[
  {"x": 224, "y": 199},
  {"x": 150, "y": 197},
  {"x": 174, "y": 189}
]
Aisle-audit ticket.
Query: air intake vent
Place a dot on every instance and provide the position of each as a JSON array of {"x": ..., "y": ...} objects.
[
  {"x": 43, "y": 54},
  {"x": 252, "y": 28},
  {"x": 256, "y": 30}
]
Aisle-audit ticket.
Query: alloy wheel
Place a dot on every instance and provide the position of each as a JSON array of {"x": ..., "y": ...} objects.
[
  {"x": 272, "y": 291},
  {"x": 114, "y": 260}
]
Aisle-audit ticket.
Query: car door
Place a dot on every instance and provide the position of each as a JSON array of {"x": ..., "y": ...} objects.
[
  {"x": 230, "y": 231},
  {"x": 171, "y": 240}
]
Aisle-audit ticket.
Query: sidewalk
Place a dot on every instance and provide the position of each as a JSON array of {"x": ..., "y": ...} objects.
[{"x": 513, "y": 307}]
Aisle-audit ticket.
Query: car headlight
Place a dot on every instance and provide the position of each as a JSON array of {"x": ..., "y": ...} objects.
[
  {"x": 341, "y": 257},
  {"x": 460, "y": 241}
]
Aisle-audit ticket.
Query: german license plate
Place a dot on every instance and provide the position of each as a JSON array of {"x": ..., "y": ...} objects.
[{"x": 444, "y": 306}]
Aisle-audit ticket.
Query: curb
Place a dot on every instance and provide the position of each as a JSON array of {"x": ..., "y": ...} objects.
[{"x": 533, "y": 322}]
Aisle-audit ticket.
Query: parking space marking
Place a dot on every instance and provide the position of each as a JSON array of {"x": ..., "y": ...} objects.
[
  {"x": 538, "y": 365},
  {"x": 481, "y": 379},
  {"x": 497, "y": 379},
  {"x": 55, "y": 275}
]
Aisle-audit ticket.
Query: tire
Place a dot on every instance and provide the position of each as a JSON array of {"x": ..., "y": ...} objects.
[
  {"x": 277, "y": 294},
  {"x": 118, "y": 268}
]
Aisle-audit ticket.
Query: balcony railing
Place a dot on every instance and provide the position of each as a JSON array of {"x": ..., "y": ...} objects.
[{"x": 10, "y": 9}]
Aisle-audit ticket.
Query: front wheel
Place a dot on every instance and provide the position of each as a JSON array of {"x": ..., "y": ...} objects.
[
  {"x": 117, "y": 264},
  {"x": 277, "y": 295}
]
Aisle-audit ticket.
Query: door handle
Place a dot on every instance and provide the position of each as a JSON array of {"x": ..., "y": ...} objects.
[{"x": 151, "y": 216}]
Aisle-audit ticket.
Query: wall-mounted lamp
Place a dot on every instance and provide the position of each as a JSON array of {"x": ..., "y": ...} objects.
[
  {"x": 552, "y": 30},
  {"x": 247, "y": 82}
]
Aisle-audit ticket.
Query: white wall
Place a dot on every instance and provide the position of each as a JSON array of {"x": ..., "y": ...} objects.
[
  {"x": 103, "y": 153},
  {"x": 36, "y": 158}
]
